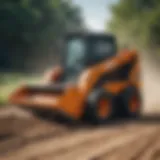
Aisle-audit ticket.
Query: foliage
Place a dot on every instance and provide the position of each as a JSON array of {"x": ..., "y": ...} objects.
[
  {"x": 136, "y": 22},
  {"x": 29, "y": 24},
  {"x": 36, "y": 20}
]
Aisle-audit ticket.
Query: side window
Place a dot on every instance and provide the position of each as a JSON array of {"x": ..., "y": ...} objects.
[{"x": 103, "y": 49}]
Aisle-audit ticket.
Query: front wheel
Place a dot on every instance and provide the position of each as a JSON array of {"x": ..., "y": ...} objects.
[{"x": 100, "y": 107}]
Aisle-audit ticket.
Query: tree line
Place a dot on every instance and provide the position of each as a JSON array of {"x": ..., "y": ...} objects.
[
  {"x": 30, "y": 30},
  {"x": 136, "y": 24}
]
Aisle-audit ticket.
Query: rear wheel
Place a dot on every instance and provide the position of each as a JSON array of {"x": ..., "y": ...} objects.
[
  {"x": 100, "y": 107},
  {"x": 131, "y": 101}
]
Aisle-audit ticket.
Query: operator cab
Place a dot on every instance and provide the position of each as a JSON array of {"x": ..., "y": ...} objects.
[{"x": 85, "y": 50}]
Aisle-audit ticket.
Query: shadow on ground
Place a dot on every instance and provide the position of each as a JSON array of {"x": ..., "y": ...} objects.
[{"x": 144, "y": 119}]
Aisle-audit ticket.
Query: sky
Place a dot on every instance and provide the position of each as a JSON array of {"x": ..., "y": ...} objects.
[{"x": 95, "y": 12}]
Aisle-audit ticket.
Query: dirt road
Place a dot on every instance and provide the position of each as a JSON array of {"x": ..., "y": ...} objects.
[{"x": 27, "y": 138}]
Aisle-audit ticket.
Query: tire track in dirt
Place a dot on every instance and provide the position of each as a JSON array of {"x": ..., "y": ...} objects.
[
  {"x": 18, "y": 142},
  {"x": 25, "y": 133},
  {"x": 152, "y": 152},
  {"x": 65, "y": 141},
  {"x": 132, "y": 150},
  {"x": 33, "y": 139},
  {"x": 92, "y": 139},
  {"x": 97, "y": 146}
]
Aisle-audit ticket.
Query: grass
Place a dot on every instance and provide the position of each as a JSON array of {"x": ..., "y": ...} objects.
[{"x": 10, "y": 81}]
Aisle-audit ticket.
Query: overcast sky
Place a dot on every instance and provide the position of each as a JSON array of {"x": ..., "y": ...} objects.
[{"x": 96, "y": 12}]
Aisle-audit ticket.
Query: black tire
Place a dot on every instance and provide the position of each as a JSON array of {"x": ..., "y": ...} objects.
[
  {"x": 91, "y": 113},
  {"x": 126, "y": 97}
]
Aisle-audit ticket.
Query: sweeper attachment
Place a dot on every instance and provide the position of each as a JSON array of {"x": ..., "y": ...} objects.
[{"x": 94, "y": 81}]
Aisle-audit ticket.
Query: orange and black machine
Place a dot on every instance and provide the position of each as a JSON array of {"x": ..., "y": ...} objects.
[{"x": 94, "y": 81}]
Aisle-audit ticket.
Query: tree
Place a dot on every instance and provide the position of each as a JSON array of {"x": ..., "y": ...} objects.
[
  {"x": 28, "y": 25},
  {"x": 136, "y": 23}
]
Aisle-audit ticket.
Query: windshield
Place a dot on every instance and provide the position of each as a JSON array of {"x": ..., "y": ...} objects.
[
  {"x": 75, "y": 57},
  {"x": 75, "y": 53}
]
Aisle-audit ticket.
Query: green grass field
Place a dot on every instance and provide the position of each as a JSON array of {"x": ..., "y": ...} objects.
[{"x": 9, "y": 82}]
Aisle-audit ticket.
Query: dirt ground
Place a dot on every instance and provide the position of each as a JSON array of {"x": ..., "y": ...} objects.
[{"x": 24, "y": 137}]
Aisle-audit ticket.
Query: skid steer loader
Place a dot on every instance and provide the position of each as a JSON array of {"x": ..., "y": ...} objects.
[{"x": 94, "y": 81}]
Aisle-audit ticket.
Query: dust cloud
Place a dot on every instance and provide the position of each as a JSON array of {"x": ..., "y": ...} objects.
[{"x": 150, "y": 85}]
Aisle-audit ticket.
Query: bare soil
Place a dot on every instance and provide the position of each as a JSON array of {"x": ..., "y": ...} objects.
[{"x": 24, "y": 137}]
